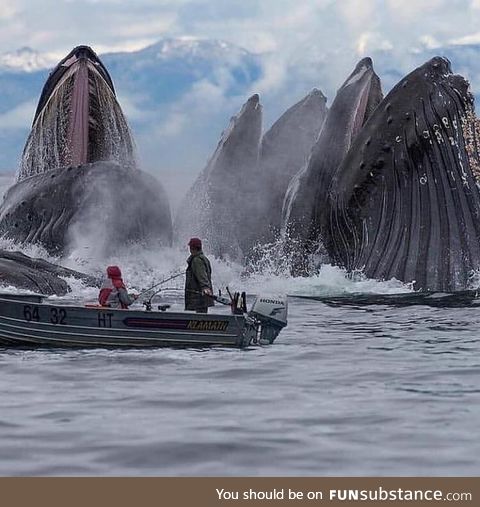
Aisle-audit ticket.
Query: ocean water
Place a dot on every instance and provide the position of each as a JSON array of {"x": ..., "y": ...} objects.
[{"x": 345, "y": 390}]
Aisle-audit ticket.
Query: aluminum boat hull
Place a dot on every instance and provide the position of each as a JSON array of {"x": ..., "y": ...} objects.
[{"x": 27, "y": 321}]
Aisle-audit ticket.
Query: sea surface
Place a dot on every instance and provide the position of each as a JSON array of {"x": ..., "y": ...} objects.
[{"x": 345, "y": 390}]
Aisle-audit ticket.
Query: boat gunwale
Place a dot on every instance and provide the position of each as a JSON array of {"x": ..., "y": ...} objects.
[{"x": 189, "y": 313}]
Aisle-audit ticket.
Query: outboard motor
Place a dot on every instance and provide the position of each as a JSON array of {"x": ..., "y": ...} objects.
[{"x": 271, "y": 314}]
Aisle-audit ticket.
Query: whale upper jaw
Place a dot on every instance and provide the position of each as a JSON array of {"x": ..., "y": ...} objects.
[{"x": 77, "y": 54}]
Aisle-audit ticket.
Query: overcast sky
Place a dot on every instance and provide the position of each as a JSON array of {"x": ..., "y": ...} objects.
[
  {"x": 293, "y": 33},
  {"x": 291, "y": 28}
]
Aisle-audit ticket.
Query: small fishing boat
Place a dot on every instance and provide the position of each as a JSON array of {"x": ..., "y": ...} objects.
[{"x": 28, "y": 320}]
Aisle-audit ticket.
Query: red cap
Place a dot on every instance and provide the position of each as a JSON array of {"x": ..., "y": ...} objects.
[
  {"x": 114, "y": 272},
  {"x": 195, "y": 242}
]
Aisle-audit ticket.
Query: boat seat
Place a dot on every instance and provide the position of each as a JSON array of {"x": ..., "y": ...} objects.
[{"x": 162, "y": 308}]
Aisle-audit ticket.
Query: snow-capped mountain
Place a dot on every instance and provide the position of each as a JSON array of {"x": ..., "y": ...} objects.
[
  {"x": 164, "y": 71},
  {"x": 193, "y": 48}
]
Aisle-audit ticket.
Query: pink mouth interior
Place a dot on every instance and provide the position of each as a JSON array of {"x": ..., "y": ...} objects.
[{"x": 79, "y": 112}]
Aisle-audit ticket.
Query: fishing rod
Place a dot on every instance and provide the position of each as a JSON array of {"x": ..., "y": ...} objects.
[
  {"x": 176, "y": 275},
  {"x": 148, "y": 302}
]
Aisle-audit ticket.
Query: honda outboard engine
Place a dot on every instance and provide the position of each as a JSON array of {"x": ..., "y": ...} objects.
[{"x": 271, "y": 314}]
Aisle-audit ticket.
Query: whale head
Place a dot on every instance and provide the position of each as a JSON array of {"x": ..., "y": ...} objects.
[{"x": 78, "y": 119}]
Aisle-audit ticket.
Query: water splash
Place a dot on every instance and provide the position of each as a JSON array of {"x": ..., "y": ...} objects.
[
  {"x": 142, "y": 268},
  {"x": 272, "y": 271},
  {"x": 474, "y": 280},
  {"x": 47, "y": 146}
]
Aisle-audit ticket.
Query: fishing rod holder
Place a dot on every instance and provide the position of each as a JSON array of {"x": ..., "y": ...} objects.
[{"x": 238, "y": 302}]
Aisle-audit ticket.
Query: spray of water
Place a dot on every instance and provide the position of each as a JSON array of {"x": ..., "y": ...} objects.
[
  {"x": 143, "y": 268},
  {"x": 47, "y": 146}
]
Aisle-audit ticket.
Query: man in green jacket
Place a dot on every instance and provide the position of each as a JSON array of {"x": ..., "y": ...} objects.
[{"x": 198, "y": 281}]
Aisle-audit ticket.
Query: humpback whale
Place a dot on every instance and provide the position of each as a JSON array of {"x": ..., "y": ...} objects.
[
  {"x": 235, "y": 203},
  {"x": 405, "y": 202},
  {"x": 78, "y": 179},
  {"x": 284, "y": 149},
  {"x": 304, "y": 211},
  {"x": 37, "y": 275},
  {"x": 214, "y": 207}
]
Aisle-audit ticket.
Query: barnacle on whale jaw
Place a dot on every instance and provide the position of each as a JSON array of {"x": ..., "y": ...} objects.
[{"x": 471, "y": 135}]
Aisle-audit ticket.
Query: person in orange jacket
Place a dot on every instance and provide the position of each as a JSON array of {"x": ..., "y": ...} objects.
[{"x": 113, "y": 292}]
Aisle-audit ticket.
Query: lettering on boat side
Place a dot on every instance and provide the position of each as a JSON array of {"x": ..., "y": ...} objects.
[
  {"x": 208, "y": 325},
  {"x": 105, "y": 319},
  {"x": 272, "y": 302},
  {"x": 31, "y": 313},
  {"x": 57, "y": 315}
]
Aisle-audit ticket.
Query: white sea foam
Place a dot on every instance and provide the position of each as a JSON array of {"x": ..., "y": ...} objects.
[
  {"x": 331, "y": 280},
  {"x": 143, "y": 268}
]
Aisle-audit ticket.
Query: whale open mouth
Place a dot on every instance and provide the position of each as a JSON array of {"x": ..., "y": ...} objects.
[
  {"x": 78, "y": 119},
  {"x": 79, "y": 89},
  {"x": 79, "y": 116},
  {"x": 359, "y": 115},
  {"x": 367, "y": 100}
]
